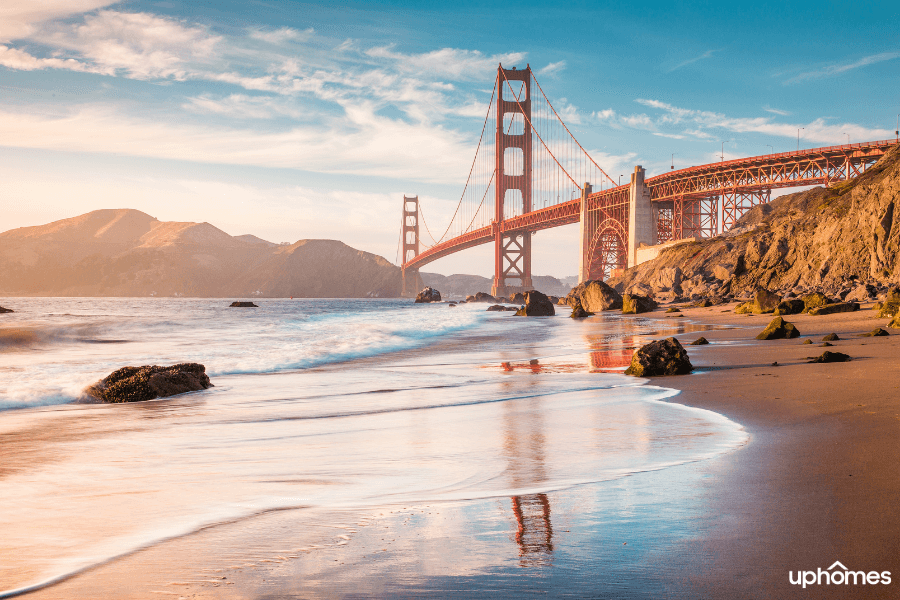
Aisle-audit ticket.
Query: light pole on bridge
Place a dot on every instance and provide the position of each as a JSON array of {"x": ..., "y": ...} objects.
[
  {"x": 673, "y": 162},
  {"x": 773, "y": 148},
  {"x": 848, "y": 137},
  {"x": 798, "y": 138}
]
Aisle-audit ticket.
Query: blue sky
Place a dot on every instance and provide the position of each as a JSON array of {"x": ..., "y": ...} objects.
[{"x": 291, "y": 120}]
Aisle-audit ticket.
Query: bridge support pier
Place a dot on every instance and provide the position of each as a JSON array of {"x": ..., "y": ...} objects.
[{"x": 642, "y": 217}]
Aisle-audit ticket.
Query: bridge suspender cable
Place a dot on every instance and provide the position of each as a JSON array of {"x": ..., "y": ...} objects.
[
  {"x": 538, "y": 134},
  {"x": 569, "y": 132}
]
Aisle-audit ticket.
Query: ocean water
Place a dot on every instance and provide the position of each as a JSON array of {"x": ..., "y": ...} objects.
[{"x": 317, "y": 405}]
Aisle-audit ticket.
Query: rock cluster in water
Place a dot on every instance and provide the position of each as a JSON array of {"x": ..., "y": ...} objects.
[
  {"x": 536, "y": 305},
  {"x": 428, "y": 295},
  {"x": 242, "y": 305},
  {"x": 135, "y": 384}
]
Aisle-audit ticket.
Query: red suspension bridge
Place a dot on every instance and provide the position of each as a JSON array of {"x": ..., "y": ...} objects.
[{"x": 530, "y": 173}]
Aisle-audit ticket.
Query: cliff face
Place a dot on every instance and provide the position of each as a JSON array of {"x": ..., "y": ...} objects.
[
  {"x": 129, "y": 253},
  {"x": 835, "y": 239}
]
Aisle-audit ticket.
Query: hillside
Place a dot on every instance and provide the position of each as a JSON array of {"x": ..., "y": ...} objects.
[
  {"x": 842, "y": 240},
  {"x": 126, "y": 252}
]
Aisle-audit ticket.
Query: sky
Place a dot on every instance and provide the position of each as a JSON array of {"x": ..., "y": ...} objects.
[{"x": 292, "y": 120}]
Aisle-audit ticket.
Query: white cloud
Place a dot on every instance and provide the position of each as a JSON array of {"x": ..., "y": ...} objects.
[
  {"x": 142, "y": 45},
  {"x": 552, "y": 68},
  {"x": 362, "y": 143},
  {"x": 832, "y": 70},
  {"x": 282, "y": 35},
  {"x": 816, "y": 131},
  {"x": 449, "y": 63},
  {"x": 775, "y": 111},
  {"x": 21, "y": 18},
  {"x": 20, "y": 60},
  {"x": 706, "y": 54},
  {"x": 673, "y": 136}
]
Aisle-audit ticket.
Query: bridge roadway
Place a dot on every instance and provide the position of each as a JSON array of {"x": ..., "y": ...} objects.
[{"x": 727, "y": 179}]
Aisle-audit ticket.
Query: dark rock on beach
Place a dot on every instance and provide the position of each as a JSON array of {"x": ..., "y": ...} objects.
[
  {"x": 778, "y": 329},
  {"x": 578, "y": 312},
  {"x": 673, "y": 310},
  {"x": 877, "y": 332},
  {"x": 135, "y": 384},
  {"x": 632, "y": 305},
  {"x": 791, "y": 306},
  {"x": 700, "y": 341},
  {"x": 831, "y": 337},
  {"x": 662, "y": 357},
  {"x": 838, "y": 307},
  {"x": 242, "y": 305},
  {"x": 763, "y": 302},
  {"x": 536, "y": 305},
  {"x": 594, "y": 296},
  {"x": 829, "y": 357},
  {"x": 428, "y": 295},
  {"x": 5, "y": 310}
]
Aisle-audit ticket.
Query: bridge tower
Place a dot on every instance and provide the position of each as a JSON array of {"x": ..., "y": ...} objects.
[
  {"x": 512, "y": 252},
  {"x": 411, "y": 280}
]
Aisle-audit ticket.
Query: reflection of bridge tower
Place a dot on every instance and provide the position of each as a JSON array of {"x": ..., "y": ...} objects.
[
  {"x": 512, "y": 251},
  {"x": 535, "y": 532},
  {"x": 524, "y": 447}
]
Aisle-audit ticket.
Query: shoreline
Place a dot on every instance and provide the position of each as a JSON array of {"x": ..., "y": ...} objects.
[
  {"x": 773, "y": 505},
  {"x": 818, "y": 481}
]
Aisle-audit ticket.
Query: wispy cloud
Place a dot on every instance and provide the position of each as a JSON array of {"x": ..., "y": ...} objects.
[
  {"x": 448, "y": 63},
  {"x": 281, "y": 35},
  {"x": 552, "y": 68},
  {"x": 832, "y": 70},
  {"x": 776, "y": 111},
  {"x": 21, "y": 19},
  {"x": 675, "y": 121},
  {"x": 690, "y": 61}
]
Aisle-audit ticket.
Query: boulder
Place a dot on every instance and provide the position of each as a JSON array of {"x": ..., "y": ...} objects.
[
  {"x": 451, "y": 305},
  {"x": 5, "y": 310},
  {"x": 838, "y": 307},
  {"x": 825, "y": 345},
  {"x": 704, "y": 303},
  {"x": 482, "y": 297},
  {"x": 242, "y": 305},
  {"x": 578, "y": 312},
  {"x": 700, "y": 341},
  {"x": 828, "y": 357},
  {"x": 429, "y": 294},
  {"x": 594, "y": 296},
  {"x": 877, "y": 332},
  {"x": 766, "y": 301},
  {"x": 831, "y": 337},
  {"x": 791, "y": 306},
  {"x": 496, "y": 308},
  {"x": 536, "y": 305},
  {"x": 517, "y": 298},
  {"x": 662, "y": 357},
  {"x": 815, "y": 300},
  {"x": 778, "y": 329},
  {"x": 807, "y": 341},
  {"x": 632, "y": 305},
  {"x": 673, "y": 310},
  {"x": 134, "y": 384},
  {"x": 884, "y": 310},
  {"x": 763, "y": 302},
  {"x": 861, "y": 293}
]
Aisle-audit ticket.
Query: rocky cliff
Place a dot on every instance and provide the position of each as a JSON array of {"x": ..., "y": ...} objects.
[
  {"x": 126, "y": 252},
  {"x": 842, "y": 240}
]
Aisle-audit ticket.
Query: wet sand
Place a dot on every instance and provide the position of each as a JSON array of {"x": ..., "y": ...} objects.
[{"x": 818, "y": 482}]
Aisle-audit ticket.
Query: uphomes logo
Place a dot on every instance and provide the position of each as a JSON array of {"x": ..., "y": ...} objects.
[{"x": 838, "y": 574}]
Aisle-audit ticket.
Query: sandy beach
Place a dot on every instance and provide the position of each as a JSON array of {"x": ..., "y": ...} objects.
[
  {"x": 819, "y": 480},
  {"x": 816, "y": 483}
]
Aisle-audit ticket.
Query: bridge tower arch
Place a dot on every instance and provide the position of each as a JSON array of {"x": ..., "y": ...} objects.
[{"x": 512, "y": 251}]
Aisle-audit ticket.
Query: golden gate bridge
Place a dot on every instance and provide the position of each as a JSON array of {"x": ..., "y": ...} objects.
[{"x": 530, "y": 173}]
